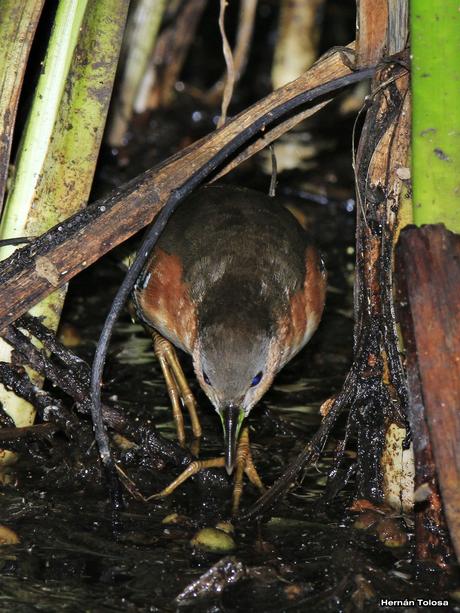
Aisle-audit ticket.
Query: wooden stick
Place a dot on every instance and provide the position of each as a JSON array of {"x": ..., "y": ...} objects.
[{"x": 31, "y": 432}]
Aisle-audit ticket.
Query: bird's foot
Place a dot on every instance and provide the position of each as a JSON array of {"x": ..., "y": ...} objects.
[
  {"x": 244, "y": 465},
  {"x": 192, "y": 469},
  {"x": 177, "y": 386}
]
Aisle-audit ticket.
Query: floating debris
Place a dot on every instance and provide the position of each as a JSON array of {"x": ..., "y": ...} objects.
[
  {"x": 213, "y": 539},
  {"x": 8, "y": 536},
  {"x": 227, "y": 571}
]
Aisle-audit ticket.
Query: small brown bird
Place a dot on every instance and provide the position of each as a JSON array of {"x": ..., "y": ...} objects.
[{"x": 235, "y": 282}]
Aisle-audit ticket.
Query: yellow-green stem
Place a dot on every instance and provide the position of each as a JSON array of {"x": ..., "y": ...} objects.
[
  {"x": 19, "y": 19},
  {"x": 435, "y": 40},
  {"x": 57, "y": 159}
]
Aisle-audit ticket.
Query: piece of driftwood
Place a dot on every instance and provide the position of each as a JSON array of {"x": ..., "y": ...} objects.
[
  {"x": 33, "y": 432},
  {"x": 57, "y": 416},
  {"x": 63, "y": 368},
  {"x": 15, "y": 379},
  {"x": 428, "y": 278},
  {"x": 54, "y": 258},
  {"x": 430, "y": 528}
]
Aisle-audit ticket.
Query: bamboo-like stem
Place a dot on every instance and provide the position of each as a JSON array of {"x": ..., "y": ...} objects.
[
  {"x": 435, "y": 36},
  {"x": 60, "y": 146},
  {"x": 140, "y": 41},
  {"x": 38, "y": 131},
  {"x": 298, "y": 38},
  {"x": 69, "y": 166},
  {"x": 19, "y": 19},
  {"x": 22, "y": 200},
  {"x": 171, "y": 51}
]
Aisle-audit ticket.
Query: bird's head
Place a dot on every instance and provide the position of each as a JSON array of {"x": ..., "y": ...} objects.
[{"x": 235, "y": 363}]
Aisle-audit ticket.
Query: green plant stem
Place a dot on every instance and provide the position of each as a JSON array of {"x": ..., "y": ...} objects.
[
  {"x": 57, "y": 159},
  {"x": 22, "y": 201},
  {"x": 39, "y": 128},
  {"x": 18, "y": 22},
  {"x": 435, "y": 36}
]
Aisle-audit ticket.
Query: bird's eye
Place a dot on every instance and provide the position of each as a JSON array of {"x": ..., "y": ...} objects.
[
  {"x": 206, "y": 378},
  {"x": 256, "y": 379}
]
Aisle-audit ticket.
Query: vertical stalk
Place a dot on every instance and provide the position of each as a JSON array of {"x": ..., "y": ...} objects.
[
  {"x": 57, "y": 158},
  {"x": 37, "y": 136},
  {"x": 435, "y": 36},
  {"x": 298, "y": 37},
  {"x": 18, "y": 22},
  {"x": 39, "y": 128},
  {"x": 140, "y": 41}
]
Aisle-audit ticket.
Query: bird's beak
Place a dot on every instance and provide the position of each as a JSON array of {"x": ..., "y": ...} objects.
[{"x": 232, "y": 418}]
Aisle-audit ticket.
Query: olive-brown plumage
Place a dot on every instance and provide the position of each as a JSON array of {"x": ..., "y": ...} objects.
[{"x": 236, "y": 282}]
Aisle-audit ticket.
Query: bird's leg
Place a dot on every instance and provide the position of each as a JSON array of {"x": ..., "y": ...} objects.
[
  {"x": 177, "y": 386},
  {"x": 244, "y": 464},
  {"x": 192, "y": 469}
]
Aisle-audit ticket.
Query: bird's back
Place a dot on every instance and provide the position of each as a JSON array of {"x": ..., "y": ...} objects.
[{"x": 226, "y": 250}]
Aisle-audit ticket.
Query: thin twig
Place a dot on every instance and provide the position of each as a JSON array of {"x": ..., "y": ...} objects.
[
  {"x": 34, "y": 432},
  {"x": 230, "y": 78},
  {"x": 274, "y": 177},
  {"x": 246, "y": 22},
  {"x": 15, "y": 379}
]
